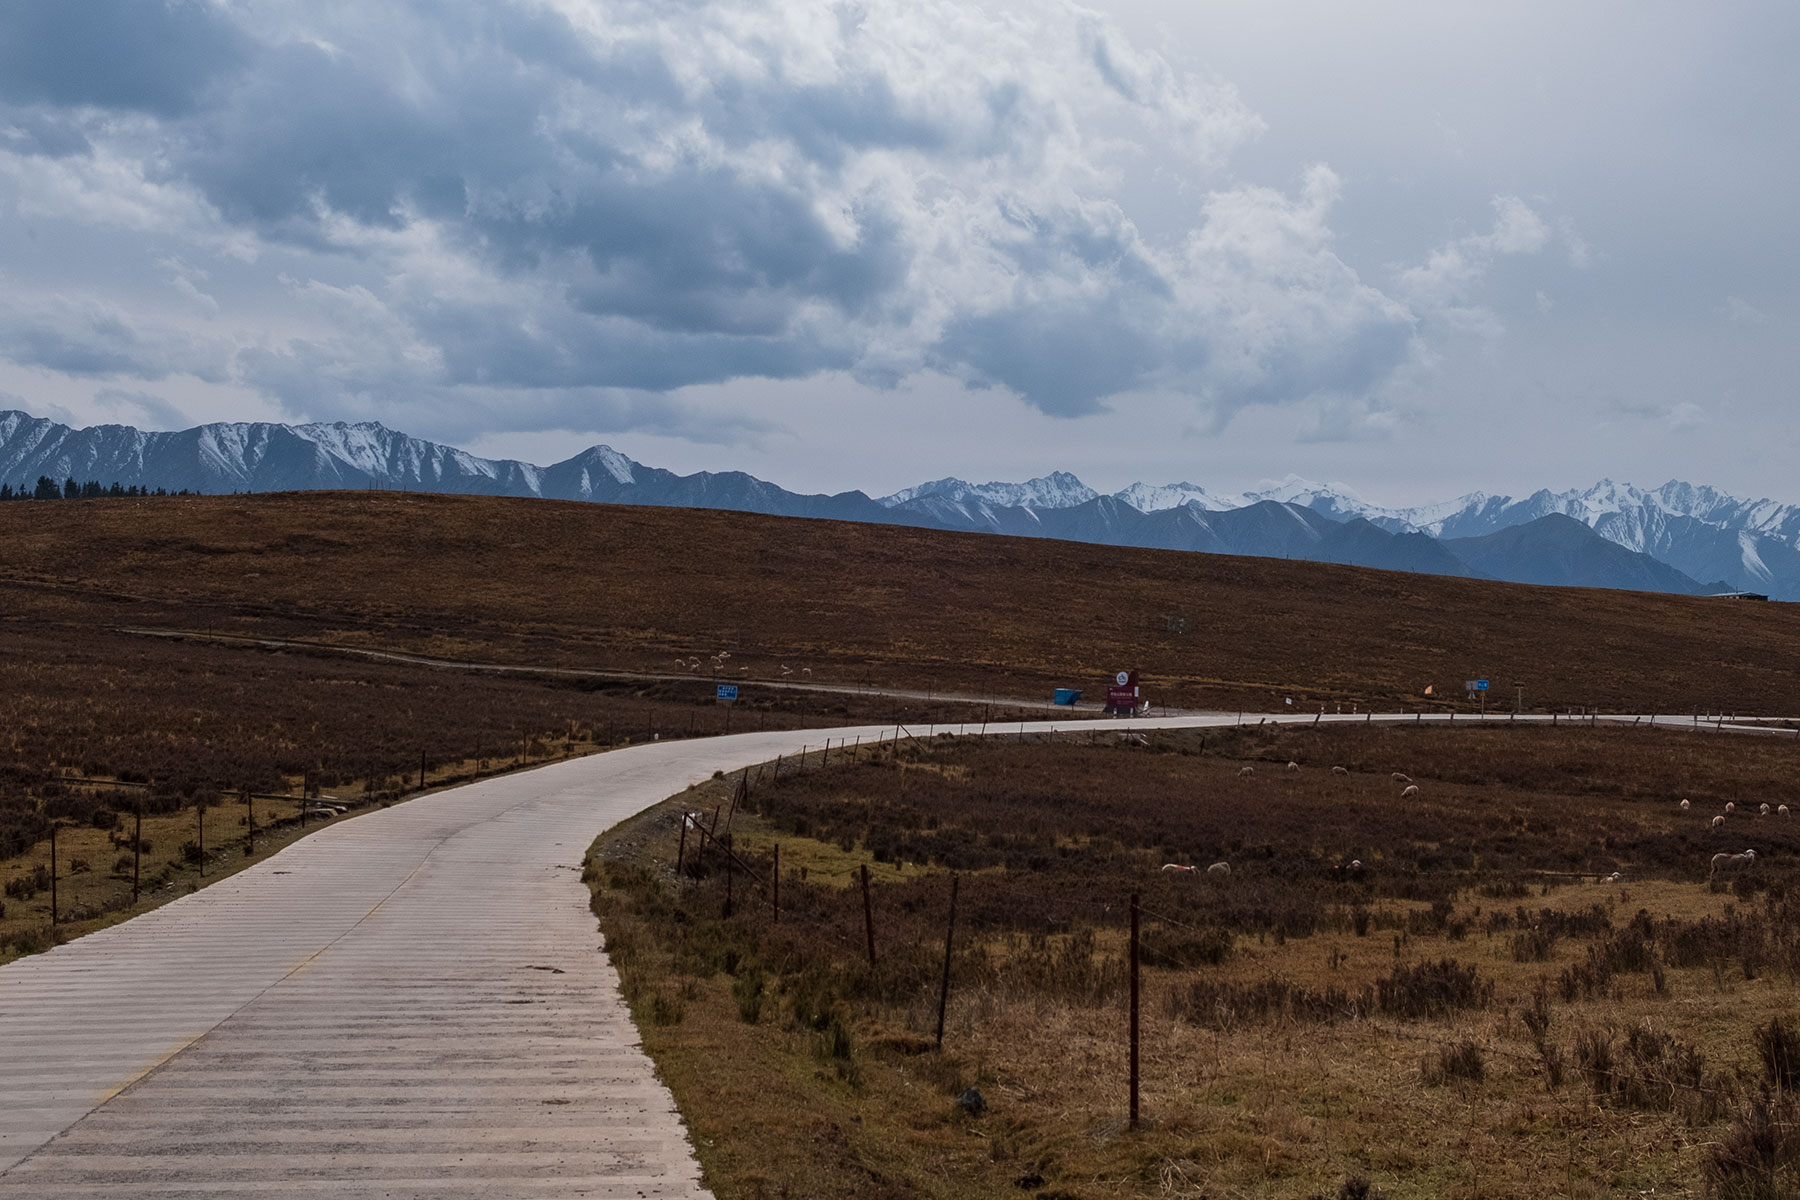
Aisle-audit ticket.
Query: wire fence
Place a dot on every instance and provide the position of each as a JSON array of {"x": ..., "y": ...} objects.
[{"x": 1614, "y": 1076}]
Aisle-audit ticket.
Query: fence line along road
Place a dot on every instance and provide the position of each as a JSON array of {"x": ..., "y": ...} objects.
[{"x": 407, "y": 1004}]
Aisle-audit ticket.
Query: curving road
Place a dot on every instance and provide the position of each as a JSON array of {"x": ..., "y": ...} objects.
[{"x": 408, "y": 1004}]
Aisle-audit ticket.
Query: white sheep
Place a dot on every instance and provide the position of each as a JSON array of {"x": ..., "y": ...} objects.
[
  {"x": 1731, "y": 862},
  {"x": 1246, "y": 772},
  {"x": 1409, "y": 792},
  {"x": 1615, "y": 877},
  {"x": 1293, "y": 768},
  {"x": 1684, "y": 806},
  {"x": 1219, "y": 868},
  {"x": 1177, "y": 867},
  {"x": 1782, "y": 810},
  {"x": 1763, "y": 811},
  {"x": 1340, "y": 770},
  {"x": 1401, "y": 777},
  {"x": 1718, "y": 822},
  {"x": 1730, "y": 807}
]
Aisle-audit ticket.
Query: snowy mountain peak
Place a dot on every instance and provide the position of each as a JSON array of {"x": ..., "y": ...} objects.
[
  {"x": 1295, "y": 490},
  {"x": 1147, "y": 498},
  {"x": 616, "y": 464},
  {"x": 1059, "y": 489},
  {"x": 1703, "y": 533}
]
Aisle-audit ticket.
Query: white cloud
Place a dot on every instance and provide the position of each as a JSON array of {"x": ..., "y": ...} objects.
[
  {"x": 141, "y": 409},
  {"x": 508, "y": 211},
  {"x": 1741, "y": 312}
]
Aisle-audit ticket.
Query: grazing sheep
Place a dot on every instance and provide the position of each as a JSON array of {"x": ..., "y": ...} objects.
[
  {"x": 1219, "y": 868},
  {"x": 1718, "y": 822},
  {"x": 1246, "y": 772},
  {"x": 1782, "y": 810},
  {"x": 1177, "y": 867},
  {"x": 1731, "y": 862},
  {"x": 1410, "y": 791},
  {"x": 1293, "y": 768},
  {"x": 1340, "y": 771},
  {"x": 1684, "y": 806},
  {"x": 1730, "y": 807},
  {"x": 1763, "y": 811},
  {"x": 1401, "y": 777},
  {"x": 1615, "y": 877}
]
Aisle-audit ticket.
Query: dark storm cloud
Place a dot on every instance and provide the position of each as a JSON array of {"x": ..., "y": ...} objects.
[
  {"x": 645, "y": 197},
  {"x": 154, "y": 56}
]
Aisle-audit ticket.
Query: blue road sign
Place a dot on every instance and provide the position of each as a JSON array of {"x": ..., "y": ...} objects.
[
  {"x": 1481, "y": 685},
  {"x": 728, "y": 691}
]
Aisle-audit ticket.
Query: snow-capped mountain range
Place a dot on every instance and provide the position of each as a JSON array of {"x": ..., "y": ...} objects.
[{"x": 1678, "y": 537}]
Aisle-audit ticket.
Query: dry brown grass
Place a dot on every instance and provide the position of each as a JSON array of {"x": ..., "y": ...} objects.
[
  {"x": 609, "y": 586},
  {"x": 1235, "y": 1104},
  {"x": 172, "y": 725}
]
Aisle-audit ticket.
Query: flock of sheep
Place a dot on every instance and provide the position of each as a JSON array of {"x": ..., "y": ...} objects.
[{"x": 1723, "y": 861}]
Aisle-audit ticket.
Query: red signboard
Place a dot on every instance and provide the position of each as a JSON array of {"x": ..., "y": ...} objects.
[{"x": 1121, "y": 697}]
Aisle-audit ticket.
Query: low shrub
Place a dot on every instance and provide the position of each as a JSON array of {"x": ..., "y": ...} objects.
[
  {"x": 1432, "y": 990},
  {"x": 1460, "y": 1060}
]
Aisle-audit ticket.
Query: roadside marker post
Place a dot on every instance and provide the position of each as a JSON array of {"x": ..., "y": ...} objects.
[
  {"x": 53, "y": 825},
  {"x": 1134, "y": 1010}
]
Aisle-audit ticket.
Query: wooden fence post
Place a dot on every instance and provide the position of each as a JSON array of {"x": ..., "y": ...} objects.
[
  {"x": 681, "y": 847},
  {"x": 868, "y": 916},
  {"x": 944, "y": 989},
  {"x": 729, "y": 873},
  {"x": 741, "y": 793},
  {"x": 137, "y": 850},
  {"x": 53, "y": 872},
  {"x": 776, "y": 878}
]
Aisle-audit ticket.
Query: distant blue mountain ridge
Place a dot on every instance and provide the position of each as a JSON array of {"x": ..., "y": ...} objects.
[{"x": 1669, "y": 539}]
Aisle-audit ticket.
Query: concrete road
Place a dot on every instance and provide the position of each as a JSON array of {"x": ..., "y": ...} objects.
[{"x": 407, "y": 1004}]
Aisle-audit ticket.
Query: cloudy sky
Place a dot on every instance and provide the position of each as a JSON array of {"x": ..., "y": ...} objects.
[{"x": 1420, "y": 248}]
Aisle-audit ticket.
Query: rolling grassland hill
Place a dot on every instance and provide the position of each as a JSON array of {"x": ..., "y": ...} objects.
[{"x": 550, "y": 582}]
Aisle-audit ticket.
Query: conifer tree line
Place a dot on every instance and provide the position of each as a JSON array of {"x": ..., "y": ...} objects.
[{"x": 48, "y": 489}]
